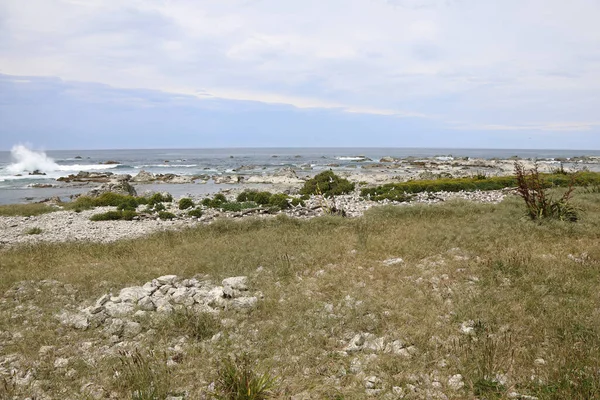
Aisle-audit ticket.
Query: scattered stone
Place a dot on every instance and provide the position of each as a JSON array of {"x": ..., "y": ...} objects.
[
  {"x": 455, "y": 382},
  {"x": 131, "y": 329},
  {"x": 73, "y": 320},
  {"x": 393, "y": 261},
  {"x": 61, "y": 362}
]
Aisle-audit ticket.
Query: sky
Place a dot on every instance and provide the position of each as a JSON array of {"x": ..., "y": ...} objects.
[{"x": 78, "y": 74}]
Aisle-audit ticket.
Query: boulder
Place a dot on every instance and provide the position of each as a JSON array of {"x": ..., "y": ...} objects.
[
  {"x": 118, "y": 184},
  {"x": 144, "y": 176}
]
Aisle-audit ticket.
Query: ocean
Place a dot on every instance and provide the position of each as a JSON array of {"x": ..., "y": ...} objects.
[{"x": 16, "y": 183}]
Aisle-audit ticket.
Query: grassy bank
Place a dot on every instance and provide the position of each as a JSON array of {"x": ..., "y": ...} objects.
[
  {"x": 399, "y": 191},
  {"x": 510, "y": 304}
]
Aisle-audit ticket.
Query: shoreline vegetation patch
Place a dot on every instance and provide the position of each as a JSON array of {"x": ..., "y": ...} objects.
[{"x": 403, "y": 191}]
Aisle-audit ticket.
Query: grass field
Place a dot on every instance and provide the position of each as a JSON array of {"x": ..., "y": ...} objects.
[{"x": 510, "y": 304}]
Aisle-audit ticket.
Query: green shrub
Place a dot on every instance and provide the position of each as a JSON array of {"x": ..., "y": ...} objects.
[
  {"x": 244, "y": 196},
  {"x": 327, "y": 184},
  {"x": 196, "y": 212},
  {"x": 160, "y": 198},
  {"x": 129, "y": 204},
  {"x": 279, "y": 200},
  {"x": 33, "y": 231},
  {"x": 112, "y": 199},
  {"x": 186, "y": 203},
  {"x": 237, "y": 206},
  {"x": 220, "y": 197},
  {"x": 262, "y": 198},
  {"x": 159, "y": 207},
  {"x": 128, "y": 215},
  {"x": 297, "y": 202},
  {"x": 399, "y": 191},
  {"x": 164, "y": 215},
  {"x": 114, "y": 216},
  {"x": 237, "y": 380}
]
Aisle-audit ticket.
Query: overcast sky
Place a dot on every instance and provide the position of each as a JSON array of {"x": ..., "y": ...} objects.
[{"x": 200, "y": 73}]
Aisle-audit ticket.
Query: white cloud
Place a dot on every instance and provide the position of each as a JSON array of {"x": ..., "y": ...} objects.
[{"x": 493, "y": 64}]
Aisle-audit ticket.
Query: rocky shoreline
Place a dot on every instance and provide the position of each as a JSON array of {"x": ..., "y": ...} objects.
[{"x": 63, "y": 226}]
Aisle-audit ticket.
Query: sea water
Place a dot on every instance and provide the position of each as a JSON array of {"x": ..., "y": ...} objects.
[{"x": 17, "y": 185}]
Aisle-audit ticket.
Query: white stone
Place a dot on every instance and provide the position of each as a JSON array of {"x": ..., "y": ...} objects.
[
  {"x": 244, "y": 303},
  {"x": 372, "y": 382},
  {"x": 393, "y": 261},
  {"x": 166, "y": 279},
  {"x": 455, "y": 382},
  {"x": 146, "y": 304},
  {"x": 73, "y": 320},
  {"x": 61, "y": 362},
  {"x": 131, "y": 329},
  {"x": 133, "y": 294},
  {"x": 119, "y": 309},
  {"x": 236, "y": 282},
  {"x": 539, "y": 362},
  {"x": 103, "y": 299}
]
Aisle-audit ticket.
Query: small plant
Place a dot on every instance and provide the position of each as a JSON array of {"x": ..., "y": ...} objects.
[
  {"x": 237, "y": 206},
  {"x": 237, "y": 380},
  {"x": 196, "y": 325},
  {"x": 126, "y": 215},
  {"x": 539, "y": 204},
  {"x": 220, "y": 197},
  {"x": 186, "y": 203},
  {"x": 33, "y": 231},
  {"x": 328, "y": 184},
  {"x": 160, "y": 198},
  {"x": 145, "y": 377},
  {"x": 129, "y": 204},
  {"x": 165, "y": 215},
  {"x": 279, "y": 200},
  {"x": 159, "y": 207},
  {"x": 196, "y": 212}
]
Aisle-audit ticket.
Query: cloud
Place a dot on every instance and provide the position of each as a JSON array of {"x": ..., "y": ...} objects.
[{"x": 500, "y": 65}]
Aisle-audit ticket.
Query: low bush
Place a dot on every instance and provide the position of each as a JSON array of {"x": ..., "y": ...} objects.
[
  {"x": 327, "y": 184},
  {"x": 165, "y": 215},
  {"x": 401, "y": 191},
  {"x": 160, "y": 198},
  {"x": 216, "y": 202},
  {"x": 33, "y": 231},
  {"x": 280, "y": 200},
  {"x": 186, "y": 203},
  {"x": 261, "y": 198},
  {"x": 295, "y": 202},
  {"x": 122, "y": 202},
  {"x": 159, "y": 207},
  {"x": 125, "y": 215},
  {"x": 196, "y": 212},
  {"x": 237, "y": 206},
  {"x": 129, "y": 204}
]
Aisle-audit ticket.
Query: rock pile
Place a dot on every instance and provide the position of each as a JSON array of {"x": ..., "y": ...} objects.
[{"x": 161, "y": 296}]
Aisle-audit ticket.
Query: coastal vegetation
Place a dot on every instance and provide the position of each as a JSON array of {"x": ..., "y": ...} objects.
[
  {"x": 402, "y": 191},
  {"x": 458, "y": 299},
  {"x": 328, "y": 184}
]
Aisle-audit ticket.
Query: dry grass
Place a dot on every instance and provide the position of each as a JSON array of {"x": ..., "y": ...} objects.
[
  {"x": 25, "y": 210},
  {"x": 530, "y": 290}
]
